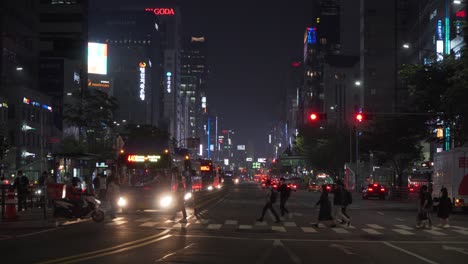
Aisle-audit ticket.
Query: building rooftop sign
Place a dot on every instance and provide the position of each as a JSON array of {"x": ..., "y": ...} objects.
[{"x": 161, "y": 11}]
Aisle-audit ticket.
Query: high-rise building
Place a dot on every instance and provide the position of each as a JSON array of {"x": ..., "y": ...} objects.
[{"x": 193, "y": 83}]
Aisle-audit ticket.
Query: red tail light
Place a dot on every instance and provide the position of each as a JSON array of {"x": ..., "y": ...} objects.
[
  {"x": 382, "y": 190},
  {"x": 274, "y": 186},
  {"x": 370, "y": 189},
  {"x": 263, "y": 184},
  {"x": 328, "y": 187},
  {"x": 375, "y": 184},
  {"x": 411, "y": 190}
]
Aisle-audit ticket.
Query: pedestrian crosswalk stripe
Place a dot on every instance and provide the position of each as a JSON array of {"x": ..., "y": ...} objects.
[
  {"x": 460, "y": 227},
  {"x": 142, "y": 219},
  {"x": 405, "y": 227},
  {"x": 214, "y": 226},
  {"x": 437, "y": 228},
  {"x": 278, "y": 228},
  {"x": 115, "y": 223},
  {"x": 290, "y": 224},
  {"x": 245, "y": 227},
  {"x": 463, "y": 232},
  {"x": 348, "y": 227},
  {"x": 434, "y": 232},
  {"x": 403, "y": 231},
  {"x": 308, "y": 230},
  {"x": 374, "y": 226},
  {"x": 340, "y": 230},
  {"x": 202, "y": 221},
  {"x": 371, "y": 231},
  {"x": 261, "y": 224},
  {"x": 149, "y": 224},
  {"x": 230, "y": 222},
  {"x": 180, "y": 225}
]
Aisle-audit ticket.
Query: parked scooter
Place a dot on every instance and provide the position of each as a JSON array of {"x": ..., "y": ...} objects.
[{"x": 73, "y": 209}]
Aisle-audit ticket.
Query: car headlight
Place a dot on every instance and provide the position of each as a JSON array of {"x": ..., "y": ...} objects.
[
  {"x": 122, "y": 202},
  {"x": 210, "y": 188},
  {"x": 39, "y": 191},
  {"x": 236, "y": 180},
  {"x": 166, "y": 201},
  {"x": 219, "y": 186},
  {"x": 188, "y": 196}
]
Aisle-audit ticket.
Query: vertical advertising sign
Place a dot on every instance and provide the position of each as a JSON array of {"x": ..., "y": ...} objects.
[
  {"x": 168, "y": 82},
  {"x": 142, "y": 66},
  {"x": 97, "y": 58},
  {"x": 439, "y": 40}
]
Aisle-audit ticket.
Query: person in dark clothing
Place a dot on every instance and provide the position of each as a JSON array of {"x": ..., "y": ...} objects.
[
  {"x": 21, "y": 184},
  {"x": 270, "y": 200},
  {"x": 180, "y": 202},
  {"x": 325, "y": 208},
  {"x": 338, "y": 203},
  {"x": 444, "y": 208},
  {"x": 285, "y": 192},
  {"x": 347, "y": 200},
  {"x": 425, "y": 206}
]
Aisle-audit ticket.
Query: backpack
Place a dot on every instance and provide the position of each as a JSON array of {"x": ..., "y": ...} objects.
[{"x": 273, "y": 196}]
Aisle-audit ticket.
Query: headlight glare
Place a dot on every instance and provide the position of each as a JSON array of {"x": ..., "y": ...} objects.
[
  {"x": 166, "y": 201},
  {"x": 122, "y": 202},
  {"x": 188, "y": 196}
]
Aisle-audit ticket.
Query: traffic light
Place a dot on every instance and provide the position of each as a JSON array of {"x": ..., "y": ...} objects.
[
  {"x": 359, "y": 117},
  {"x": 314, "y": 116}
]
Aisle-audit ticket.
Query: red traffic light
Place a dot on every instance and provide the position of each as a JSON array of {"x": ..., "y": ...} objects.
[
  {"x": 359, "y": 117},
  {"x": 313, "y": 116}
]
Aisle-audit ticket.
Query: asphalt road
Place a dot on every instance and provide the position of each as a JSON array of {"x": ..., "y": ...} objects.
[{"x": 226, "y": 232}]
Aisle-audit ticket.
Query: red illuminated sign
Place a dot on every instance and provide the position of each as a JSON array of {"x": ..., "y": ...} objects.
[
  {"x": 460, "y": 13},
  {"x": 296, "y": 64},
  {"x": 161, "y": 11}
]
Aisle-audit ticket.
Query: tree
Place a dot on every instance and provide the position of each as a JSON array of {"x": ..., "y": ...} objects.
[
  {"x": 92, "y": 113},
  {"x": 395, "y": 140}
]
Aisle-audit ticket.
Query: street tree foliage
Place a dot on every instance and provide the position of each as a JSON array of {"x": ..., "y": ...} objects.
[
  {"x": 92, "y": 113},
  {"x": 441, "y": 88},
  {"x": 394, "y": 141},
  {"x": 326, "y": 149}
]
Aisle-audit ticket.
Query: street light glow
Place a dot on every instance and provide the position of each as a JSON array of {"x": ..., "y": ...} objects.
[
  {"x": 19, "y": 68},
  {"x": 357, "y": 83},
  {"x": 457, "y": 2},
  {"x": 406, "y": 46}
]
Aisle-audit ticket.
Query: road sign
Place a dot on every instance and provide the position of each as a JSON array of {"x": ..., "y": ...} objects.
[{"x": 256, "y": 165}]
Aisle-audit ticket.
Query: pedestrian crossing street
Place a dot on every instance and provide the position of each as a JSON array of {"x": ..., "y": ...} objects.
[{"x": 289, "y": 227}]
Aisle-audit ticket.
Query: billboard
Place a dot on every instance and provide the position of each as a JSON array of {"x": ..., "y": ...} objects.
[
  {"x": 97, "y": 58},
  {"x": 240, "y": 147}
]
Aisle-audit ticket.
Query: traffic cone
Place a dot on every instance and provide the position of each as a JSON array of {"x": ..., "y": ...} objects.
[{"x": 10, "y": 206}]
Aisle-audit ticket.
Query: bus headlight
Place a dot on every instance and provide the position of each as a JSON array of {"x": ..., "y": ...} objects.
[
  {"x": 236, "y": 181},
  {"x": 166, "y": 201},
  {"x": 210, "y": 188},
  {"x": 122, "y": 202},
  {"x": 188, "y": 196}
]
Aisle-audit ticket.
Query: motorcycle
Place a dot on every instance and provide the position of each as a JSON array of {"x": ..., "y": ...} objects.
[{"x": 73, "y": 209}]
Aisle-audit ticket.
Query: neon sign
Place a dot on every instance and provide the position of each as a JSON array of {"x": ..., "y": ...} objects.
[
  {"x": 142, "y": 80},
  {"x": 439, "y": 30},
  {"x": 460, "y": 13},
  {"x": 37, "y": 104},
  {"x": 311, "y": 35},
  {"x": 168, "y": 81},
  {"x": 161, "y": 11},
  {"x": 205, "y": 168},
  {"x": 141, "y": 158}
]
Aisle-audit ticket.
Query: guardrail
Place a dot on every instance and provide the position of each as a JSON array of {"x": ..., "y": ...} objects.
[{"x": 33, "y": 198}]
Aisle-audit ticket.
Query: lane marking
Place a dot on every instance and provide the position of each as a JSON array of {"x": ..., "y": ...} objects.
[
  {"x": 175, "y": 252},
  {"x": 404, "y": 227},
  {"x": 230, "y": 222},
  {"x": 435, "y": 233},
  {"x": 380, "y": 213},
  {"x": 308, "y": 230},
  {"x": 399, "y": 219},
  {"x": 149, "y": 224},
  {"x": 37, "y": 233},
  {"x": 214, "y": 226},
  {"x": 374, "y": 226},
  {"x": 261, "y": 223},
  {"x": 278, "y": 228},
  {"x": 459, "y": 227},
  {"x": 116, "y": 223},
  {"x": 403, "y": 232},
  {"x": 463, "y": 232},
  {"x": 290, "y": 224},
  {"x": 340, "y": 230},
  {"x": 245, "y": 227},
  {"x": 409, "y": 253},
  {"x": 142, "y": 240},
  {"x": 371, "y": 231},
  {"x": 292, "y": 256}
]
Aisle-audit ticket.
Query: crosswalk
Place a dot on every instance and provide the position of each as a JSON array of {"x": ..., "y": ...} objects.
[{"x": 291, "y": 226}]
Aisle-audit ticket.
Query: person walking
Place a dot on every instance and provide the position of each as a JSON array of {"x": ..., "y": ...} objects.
[
  {"x": 338, "y": 202},
  {"x": 348, "y": 199},
  {"x": 21, "y": 184},
  {"x": 113, "y": 194},
  {"x": 271, "y": 196},
  {"x": 444, "y": 209},
  {"x": 180, "y": 202},
  {"x": 325, "y": 209},
  {"x": 285, "y": 192},
  {"x": 425, "y": 204}
]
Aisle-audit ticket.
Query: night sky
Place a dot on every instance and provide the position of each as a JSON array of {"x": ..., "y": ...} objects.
[{"x": 250, "y": 46}]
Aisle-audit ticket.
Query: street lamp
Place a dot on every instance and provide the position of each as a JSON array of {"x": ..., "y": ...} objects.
[
  {"x": 357, "y": 83},
  {"x": 457, "y": 2}
]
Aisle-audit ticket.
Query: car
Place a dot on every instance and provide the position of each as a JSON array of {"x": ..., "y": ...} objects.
[
  {"x": 314, "y": 187},
  {"x": 374, "y": 190}
]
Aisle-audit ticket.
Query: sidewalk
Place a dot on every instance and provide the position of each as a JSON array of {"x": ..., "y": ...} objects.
[{"x": 33, "y": 218}]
